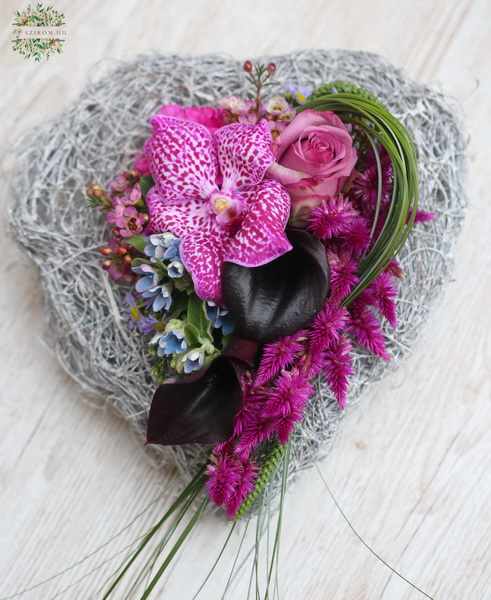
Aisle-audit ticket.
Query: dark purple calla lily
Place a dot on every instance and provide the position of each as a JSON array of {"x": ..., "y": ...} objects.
[
  {"x": 201, "y": 408},
  {"x": 281, "y": 297}
]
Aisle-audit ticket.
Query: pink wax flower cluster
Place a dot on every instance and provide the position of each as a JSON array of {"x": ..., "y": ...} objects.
[
  {"x": 124, "y": 205},
  {"x": 238, "y": 110},
  {"x": 125, "y": 196},
  {"x": 276, "y": 112},
  {"x": 141, "y": 164}
]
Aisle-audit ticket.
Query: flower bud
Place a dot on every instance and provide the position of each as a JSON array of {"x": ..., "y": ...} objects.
[
  {"x": 248, "y": 66},
  {"x": 122, "y": 251},
  {"x": 132, "y": 174},
  {"x": 106, "y": 251},
  {"x": 271, "y": 68},
  {"x": 95, "y": 191},
  {"x": 127, "y": 260},
  {"x": 106, "y": 265}
]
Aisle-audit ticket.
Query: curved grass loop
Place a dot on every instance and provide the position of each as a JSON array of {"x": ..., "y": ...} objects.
[{"x": 376, "y": 122}]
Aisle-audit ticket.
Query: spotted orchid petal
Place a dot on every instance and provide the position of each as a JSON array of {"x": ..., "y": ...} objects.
[
  {"x": 202, "y": 254},
  {"x": 179, "y": 219},
  {"x": 183, "y": 158},
  {"x": 261, "y": 237},
  {"x": 244, "y": 153},
  {"x": 211, "y": 192}
]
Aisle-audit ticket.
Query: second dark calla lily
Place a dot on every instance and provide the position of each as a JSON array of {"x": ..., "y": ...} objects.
[{"x": 201, "y": 408}]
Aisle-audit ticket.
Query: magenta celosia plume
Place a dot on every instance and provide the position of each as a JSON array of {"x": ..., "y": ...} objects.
[{"x": 211, "y": 192}]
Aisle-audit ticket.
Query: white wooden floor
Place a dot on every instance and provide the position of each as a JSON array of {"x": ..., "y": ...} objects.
[{"x": 412, "y": 468}]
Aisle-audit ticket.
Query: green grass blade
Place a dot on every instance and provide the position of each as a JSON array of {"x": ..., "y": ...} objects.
[
  {"x": 336, "y": 503},
  {"x": 363, "y": 541},
  {"x": 225, "y": 544},
  {"x": 196, "y": 482},
  {"x": 176, "y": 547},
  {"x": 232, "y": 570},
  {"x": 150, "y": 563},
  {"x": 276, "y": 546}
]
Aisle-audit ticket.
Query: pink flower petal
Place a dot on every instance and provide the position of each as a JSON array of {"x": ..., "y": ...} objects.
[
  {"x": 261, "y": 237},
  {"x": 179, "y": 219},
  {"x": 182, "y": 158},
  {"x": 202, "y": 254},
  {"x": 305, "y": 122},
  {"x": 284, "y": 175},
  {"x": 244, "y": 152}
]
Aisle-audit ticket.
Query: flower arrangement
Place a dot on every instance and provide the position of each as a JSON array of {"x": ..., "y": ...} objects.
[{"x": 260, "y": 237}]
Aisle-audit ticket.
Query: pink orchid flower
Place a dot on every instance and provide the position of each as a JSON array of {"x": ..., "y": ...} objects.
[{"x": 211, "y": 192}]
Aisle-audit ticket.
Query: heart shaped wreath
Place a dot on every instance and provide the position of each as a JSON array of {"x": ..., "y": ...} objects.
[{"x": 260, "y": 236}]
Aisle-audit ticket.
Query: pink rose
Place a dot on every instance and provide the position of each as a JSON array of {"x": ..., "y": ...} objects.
[
  {"x": 315, "y": 159},
  {"x": 212, "y": 118}
]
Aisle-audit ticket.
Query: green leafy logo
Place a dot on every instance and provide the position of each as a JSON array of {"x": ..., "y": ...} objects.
[{"x": 38, "y": 32}]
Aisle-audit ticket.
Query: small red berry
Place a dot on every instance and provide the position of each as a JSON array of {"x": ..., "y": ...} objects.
[{"x": 248, "y": 66}]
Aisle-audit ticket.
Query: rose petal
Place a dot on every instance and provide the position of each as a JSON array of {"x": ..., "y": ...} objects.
[
  {"x": 331, "y": 161},
  {"x": 261, "y": 237},
  {"x": 244, "y": 153},
  {"x": 283, "y": 175},
  {"x": 307, "y": 119},
  {"x": 183, "y": 159}
]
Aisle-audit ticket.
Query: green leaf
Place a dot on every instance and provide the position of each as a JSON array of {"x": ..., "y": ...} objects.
[
  {"x": 191, "y": 335},
  {"x": 226, "y": 339},
  {"x": 197, "y": 316},
  {"x": 161, "y": 266},
  {"x": 137, "y": 241},
  {"x": 146, "y": 183},
  {"x": 137, "y": 262}
]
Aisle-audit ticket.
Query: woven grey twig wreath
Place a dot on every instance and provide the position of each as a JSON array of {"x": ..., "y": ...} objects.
[{"x": 96, "y": 138}]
